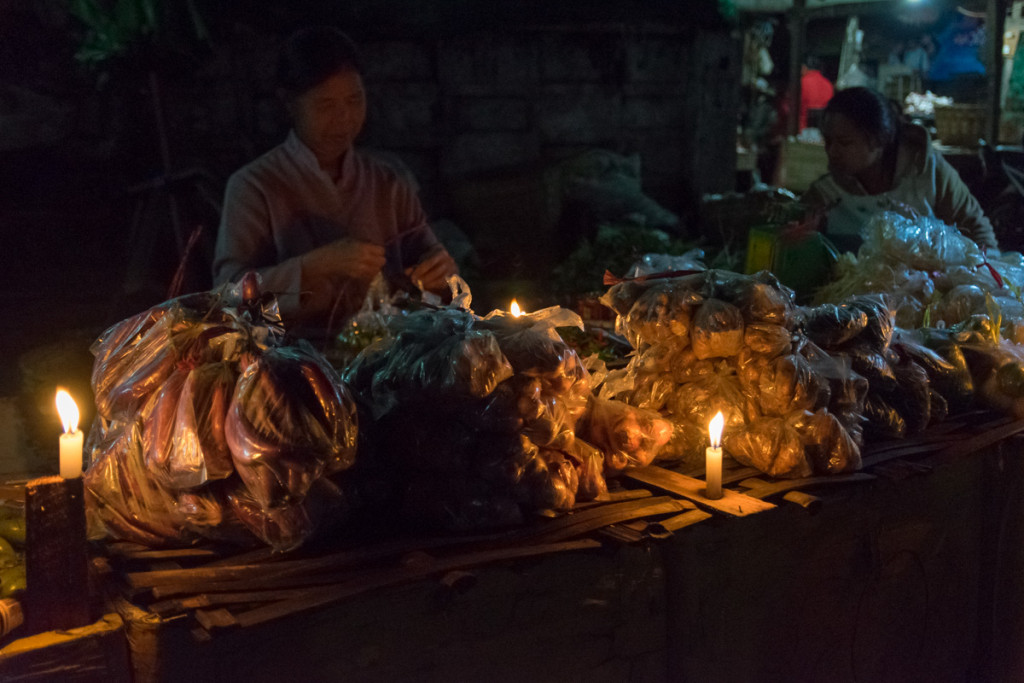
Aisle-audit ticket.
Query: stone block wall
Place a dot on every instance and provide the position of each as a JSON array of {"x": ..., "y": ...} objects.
[{"x": 459, "y": 99}]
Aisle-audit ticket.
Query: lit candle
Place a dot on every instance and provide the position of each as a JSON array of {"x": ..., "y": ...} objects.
[
  {"x": 713, "y": 466},
  {"x": 514, "y": 309},
  {"x": 71, "y": 440}
]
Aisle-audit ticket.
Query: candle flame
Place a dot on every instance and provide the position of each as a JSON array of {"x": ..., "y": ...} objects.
[
  {"x": 68, "y": 411},
  {"x": 715, "y": 430},
  {"x": 514, "y": 309}
]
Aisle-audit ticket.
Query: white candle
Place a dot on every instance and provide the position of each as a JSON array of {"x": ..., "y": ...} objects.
[
  {"x": 71, "y": 440},
  {"x": 713, "y": 458}
]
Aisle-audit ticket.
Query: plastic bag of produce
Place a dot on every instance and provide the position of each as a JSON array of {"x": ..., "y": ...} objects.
[
  {"x": 199, "y": 422},
  {"x": 828, "y": 445},
  {"x": 717, "y": 330},
  {"x": 960, "y": 303},
  {"x": 921, "y": 242},
  {"x": 592, "y": 484},
  {"x": 874, "y": 367},
  {"x": 761, "y": 298},
  {"x": 652, "y": 391},
  {"x": 135, "y": 356},
  {"x": 832, "y": 325},
  {"x": 998, "y": 371},
  {"x": 652, "y": 264},
  {"x": 765, "y": 338},
  {"x": 883, "y": 421},
  {"x": 183, "y": 428},
  {"x": 159, "y": 437},
  {"x": 499, "y": 459},
  {"x": 698, "y": 401},
  {"x": 663, "y": 312},
  {"x": 122, "y": 500},
  {"x": 689, "y": 439},
  {"x": 550, "y": 481},
  {"x": 534, "y": 351},
  {"x": 283, "y": 527},
  {"x": 949, "y": 375},
  {"x": 684, "y": 366},
  {"x": 771, "y": 445},
  {"x": 621, "y": 296},
  {"x": 441, "y": 352},
  {"x": 789, "y": 384},
  {"x": 878, "y": 332},
  {"x": 291, "y": 419},
  {"x": 628, "y": 436},
  {"x": 126, "y": 377},
  {"x": 847, "y": 389}
]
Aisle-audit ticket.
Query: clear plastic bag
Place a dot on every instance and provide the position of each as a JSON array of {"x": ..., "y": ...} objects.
[
  {"x": 771, "y": 445},
  {"x": 948, "y": 374},
  {"x": 652, "y": 264},
  {"x": 828, "y": 445},
  {"x": 882, "y": 419},
  {"x": 202, "y": 411},
  {"x": 789, "y": 384},
  {"x": 717, "y": 330},
  {"x": 698, "y": 401},
  {"x": 592, "y": 484},
  {"x": 290, "y": 421},
  {"x": 765, "y": 338},
  {"x": 662, "y": 313},
  {"x": 960, "y": 303},
  {"x": 283, "y": 527},
  {"x": 921, "y": 242},
  {"x": 440, "y": 352},
  {"x": 761, "y": 298},
  {"x": 122, "y": 500},
  {"x": 628, "y": 436},
  {"x": 832, "y": 325}
]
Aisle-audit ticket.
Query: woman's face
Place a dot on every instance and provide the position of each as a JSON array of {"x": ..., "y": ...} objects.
[
  {"x": 328, "y": 117},
  {"x": 850, "y": 150}
]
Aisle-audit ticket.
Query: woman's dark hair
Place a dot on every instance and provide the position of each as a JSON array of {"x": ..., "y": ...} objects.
[
  {"x": 312, "y": 55},
  {"x": 870, "y": 110}
]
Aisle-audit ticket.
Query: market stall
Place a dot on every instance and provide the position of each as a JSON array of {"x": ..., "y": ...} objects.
[{"x": 796, "y": 472}]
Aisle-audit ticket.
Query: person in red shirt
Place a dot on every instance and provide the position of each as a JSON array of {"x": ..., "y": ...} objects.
[{"x": 815, "y": 89}]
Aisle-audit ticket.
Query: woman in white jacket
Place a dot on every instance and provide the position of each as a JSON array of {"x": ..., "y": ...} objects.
[{"x": 879, "y": 162}]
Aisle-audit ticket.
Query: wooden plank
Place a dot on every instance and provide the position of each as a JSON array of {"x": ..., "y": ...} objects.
[
  {"x": 731, "y": 502},
  {"x": 166, "y": 583},
  {"x": 581, "y": 524},
  {"x": 614, "y": 497},
  {"x": 760, "y": 488},
  {"x": 400, "y": 575},
  {"x": 215, "y": 618},
  {"x": 169, "y": 554},
  {"x": 979, "y": 441},
  {"x": 805, "y": 500},
  {"x": 166, "y": 608},
  {"x": 567, "y": 527},
  {"x": 684, "y": 520}
]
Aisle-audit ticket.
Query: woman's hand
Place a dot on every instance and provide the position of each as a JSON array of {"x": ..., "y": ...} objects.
[
  {"x": 344, "y": 258},
  {"x": 433, "y": 270}
]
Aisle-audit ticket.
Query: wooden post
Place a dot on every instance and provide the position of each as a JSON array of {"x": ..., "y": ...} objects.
[
  {"x": 797, "y": 45},
  {"x": 995, "y": 23},
  {"x": 56, "y": 558}
]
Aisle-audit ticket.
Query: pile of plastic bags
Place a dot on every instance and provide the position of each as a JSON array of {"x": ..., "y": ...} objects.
[
  {"x": 473, "y": 423},
  {"x": 933, "y": 275},
  {"x": 909, "y": 386},
  {"x": 720, "y": 341},
  {"x": 209, "y": 427}
]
